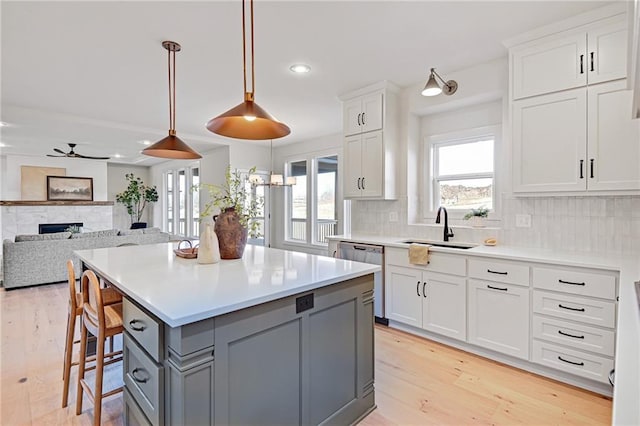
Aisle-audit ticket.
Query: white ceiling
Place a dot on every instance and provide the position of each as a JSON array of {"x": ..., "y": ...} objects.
[{"x": 95, "y": 73}]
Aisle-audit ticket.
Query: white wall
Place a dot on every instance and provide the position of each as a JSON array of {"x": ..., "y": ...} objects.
[{"x": 77, "y": 167}]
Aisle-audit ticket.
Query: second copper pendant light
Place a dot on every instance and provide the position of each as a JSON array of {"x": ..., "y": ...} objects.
[{"x": 248, "y": 120}]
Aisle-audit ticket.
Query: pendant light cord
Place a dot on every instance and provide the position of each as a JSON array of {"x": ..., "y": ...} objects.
[
  {"x": 171, "y": 62},
  {"x": 244, "y": 47}
]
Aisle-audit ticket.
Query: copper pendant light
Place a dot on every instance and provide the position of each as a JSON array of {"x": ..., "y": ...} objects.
[
  {"x": 248, "y": 120},
  {"x": 171, "y": 146}
]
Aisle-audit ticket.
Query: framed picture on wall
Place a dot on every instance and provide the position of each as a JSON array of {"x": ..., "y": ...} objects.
[{"x": 68, "y": 188}]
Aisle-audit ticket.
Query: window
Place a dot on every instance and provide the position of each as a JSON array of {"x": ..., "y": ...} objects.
[
  {"x": 312, "y": 202},
  {"x": 182, "y": 206},
  {"x": 462, "y": 170}
]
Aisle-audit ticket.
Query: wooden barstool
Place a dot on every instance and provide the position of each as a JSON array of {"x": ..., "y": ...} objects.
[
  {"x": 103, "y": 321},
  {"x": 74, "y": 311}
]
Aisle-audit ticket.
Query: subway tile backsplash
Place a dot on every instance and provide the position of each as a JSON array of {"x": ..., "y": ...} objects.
[{"x": 601, "y": 224}]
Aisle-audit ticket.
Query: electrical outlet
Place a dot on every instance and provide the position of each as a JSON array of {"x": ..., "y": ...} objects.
[
  {"x": 393, "y": 216},
  {"x": 523, "y": 221}
]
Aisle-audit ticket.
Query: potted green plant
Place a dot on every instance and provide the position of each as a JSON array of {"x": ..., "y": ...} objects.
[
  {"x": 135, "y": 198},
  {"x": 238, "y": 209},
  {"x": 477, "y": 216}
]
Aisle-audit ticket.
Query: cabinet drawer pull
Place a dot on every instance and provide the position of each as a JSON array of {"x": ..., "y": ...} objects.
[
  {"x": 497, "y": 288},
  {"x": 570, "y": 282},
  {"x": 612, "y": 377},
  {"x": 570, "y": 362},
  {"x": 138, "y": 328},
  {"x": 424, "y": 291},
  {"x": 581, "y": 64},
  {"x": 359, "y": 120},
  {"x": 591, "y": 61},
  {"x": 139, "y": 379},
  {"x": 591, "y": 167},
  {"x": 581, "y": 169},
  {"x": 418, "y": 288},
  {"x": 560, "y": 305},
  {"x": 570, "y": 335},
  {"x": 496, "y": 272}
]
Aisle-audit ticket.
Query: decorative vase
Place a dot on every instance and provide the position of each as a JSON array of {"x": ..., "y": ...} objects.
[
  {"x": 477, "y": 221},
  {"x": 232, "y": 236}
]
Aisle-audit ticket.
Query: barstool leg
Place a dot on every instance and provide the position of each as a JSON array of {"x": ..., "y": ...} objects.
[
  {"x": 68, "y": 355},
  {"x": 97, "y": 404},
  {"x": 81, "y": 367}
]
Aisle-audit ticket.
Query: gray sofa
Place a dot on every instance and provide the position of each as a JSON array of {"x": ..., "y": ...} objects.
[{"x": 42, "y": 259}]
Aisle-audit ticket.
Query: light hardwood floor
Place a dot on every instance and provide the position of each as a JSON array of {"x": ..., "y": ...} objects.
[{"x": 418, "y": 382}]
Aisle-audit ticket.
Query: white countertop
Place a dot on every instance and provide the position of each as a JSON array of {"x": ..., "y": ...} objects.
[
  {"x": 181, "y": 291},
  {"x": 626, "y": 393}
]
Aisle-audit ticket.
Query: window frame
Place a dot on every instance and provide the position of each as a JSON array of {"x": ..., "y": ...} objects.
[
  {"x": 431, "y": 189},
  {"x": 312, "y": 188},
  {"x": 190, "y": 220}
]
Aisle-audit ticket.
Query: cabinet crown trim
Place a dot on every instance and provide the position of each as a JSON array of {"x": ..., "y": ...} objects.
[{"x": 376, "y": 87}]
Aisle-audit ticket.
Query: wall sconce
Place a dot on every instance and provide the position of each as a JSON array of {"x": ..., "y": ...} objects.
[{"x": 433, "y": 89}]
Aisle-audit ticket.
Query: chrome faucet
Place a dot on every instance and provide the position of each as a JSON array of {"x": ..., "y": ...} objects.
[{"x": 448, "y": 232}]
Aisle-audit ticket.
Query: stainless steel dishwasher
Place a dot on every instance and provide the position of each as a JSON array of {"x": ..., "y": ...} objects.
[{"x": 368, "y": 253}]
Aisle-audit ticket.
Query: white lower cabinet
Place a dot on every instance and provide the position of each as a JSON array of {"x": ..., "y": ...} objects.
[
  {"x": 432, "y": 301},
  {"x": 499, "y": 317}
]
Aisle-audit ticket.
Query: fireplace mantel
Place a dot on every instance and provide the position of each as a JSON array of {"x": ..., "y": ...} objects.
[{"x": 55, "y": 203}]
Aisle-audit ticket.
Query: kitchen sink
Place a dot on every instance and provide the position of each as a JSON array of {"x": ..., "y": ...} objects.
[{"x": 463, "y": 246}]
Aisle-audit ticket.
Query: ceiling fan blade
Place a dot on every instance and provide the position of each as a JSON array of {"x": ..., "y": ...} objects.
[
  {"x": 59, "y": 151},
  {"x": 88, "y": 157},
  {"x": 51, "y": 155}
]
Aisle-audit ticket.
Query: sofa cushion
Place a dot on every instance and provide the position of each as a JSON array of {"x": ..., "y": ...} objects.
[
  {"x": 130, "y": 232},
  {"x": 150, "y": 230},
  {"x": 96, "y": 234},
  {"x": 43, "y": 237}
]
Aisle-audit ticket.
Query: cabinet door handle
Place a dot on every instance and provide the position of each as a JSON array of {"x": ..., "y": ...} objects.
[
  {"x": 591, "y": 61},
  {"x": 497, "y": 288},
  {"x": 418, "y": 288},
  {"x": 359, "y": 119},
  {"x": 570, "y": 335},
  {"x": 496, "y": 272},
  {"x": 359, "y": 183},
  {"x": 581, "y": 64},
  {"x": 570, "y": 282},
  {"x": 612, "y": 378},
  {"x": 424, "y": 291},
  {"x": 570, "y": 362},
  {"x": 335, "y": 252},
  {"x": 591, "y": 167},
  {"x": 363, "y": 123},
  {"x": 139, "y": 379},
  {"x": 560, "y": 305},
  {"x": 363, "y": 182},
  {"x": 134, "y": 328},
  {"x": 581, "y": 169}
]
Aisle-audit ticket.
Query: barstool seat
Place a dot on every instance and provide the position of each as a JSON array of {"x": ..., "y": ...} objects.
[{"x": 103, "y": 321}]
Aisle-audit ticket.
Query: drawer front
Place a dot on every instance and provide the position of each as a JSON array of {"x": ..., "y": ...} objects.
[
  {"x": 591, "y": 366},
  {"x": 144, "y": 380},
  {"x": 575, "y": 335},
  {"x": 133, "y": 415},
  {"x": 499, "y": 271},
  {"x": 438, "y": 262},
  {"x": 588, "y": 311},
  {"x": 143, "y": 328},
  {"x": 575, "y": 282}
]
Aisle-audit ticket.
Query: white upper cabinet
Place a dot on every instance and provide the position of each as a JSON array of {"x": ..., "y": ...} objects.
[
  {"x": 363, "y": 114},
  {"x": 568, "y": 61},
  {"x": 370, "y": 143}
]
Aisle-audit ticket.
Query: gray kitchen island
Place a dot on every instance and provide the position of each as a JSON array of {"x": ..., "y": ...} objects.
[{"x": 274, "y": 338}]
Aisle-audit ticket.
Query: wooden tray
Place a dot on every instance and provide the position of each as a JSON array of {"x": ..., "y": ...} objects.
[{"x": 188, "y": 252}]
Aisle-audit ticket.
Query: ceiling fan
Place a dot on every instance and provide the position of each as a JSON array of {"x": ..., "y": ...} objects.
[{"x": 72, "y": 154}]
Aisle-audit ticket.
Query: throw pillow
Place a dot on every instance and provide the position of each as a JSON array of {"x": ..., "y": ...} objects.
[
  {"x": 43, "y": 237},
  {"x": 130, "y": 232},
  {"x": 151, "y": 230}
]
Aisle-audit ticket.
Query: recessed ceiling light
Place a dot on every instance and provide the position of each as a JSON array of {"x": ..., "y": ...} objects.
[
  {"x": 3, "y": 124},
  {"x": 300, "y": 68},
  {"x": 118, "y": 156},
  {"x": 145, "y": 142},
  {"x": 2, "y": 145}
]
